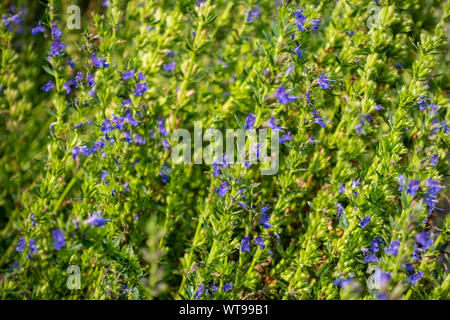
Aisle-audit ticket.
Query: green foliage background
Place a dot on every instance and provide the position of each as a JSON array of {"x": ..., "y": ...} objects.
[{"x": 166, "y": 239}]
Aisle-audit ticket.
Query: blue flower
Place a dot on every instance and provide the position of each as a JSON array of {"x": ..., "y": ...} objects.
[
  {"x": 249, "y": 121},
  {"x": 413, "y": 187},
  {"x": 90, "y": 79},
  {"x": 227, "y": 287},
  {"x": 98, "y": 62},
  {"x": 162, "y": 127},
  {"x": 259, "y": 241},
  {"x": 265, "y": 217},
  {"x": 341, "y": 188},
  {"x": 223, "y": 189},
  {"x": 283, "y": 97},
  {"x": 370, "y": 258},
  {"x": 139, "y": 139},
  {"x": 141, "y": 76},
  {"x": 128, "y": 75},
  {"x": 393, "y": 248},
  {"x": 375, "y": 244},
  {"x": 96, "y": 220},
  {"x": 21, "y": 244},
  {"x": 315, "y": 24},
  {"x": 59, "y": 239},
  {"x": 127, "y": 136},
  {"x": 286, "y": 137},
  {"x": 166, "y": 144},
  {"x": 298, "y": 52},
  {"x": 364, "y": 222},
  {"x": 434, "y": 188},
  {"x": 48, "y": 86},
  {"x": 214, "y": 287},
  {"x": 57, "y": 47},
  {"x": 382, "y": 278},
  {"x": 402, "y": 182},
  {"x": 434, "y": 160},
  {"x": 32, "y": 246},
  {"x": 300, "y": 19},
  {"x": 343, "y": 283},
  {"x": 169, "y": 67},
  {"x": 340, "y": 209},
  {"x": 56, "y": 33},
  {"x": 318, "y": 118},
  {"x": 272, "y": 123},
  {"x": 425, "y": 239},
  {"x": 253, "y": 14},
  {"x": 323, "y": 81},
  {"x": 199, "y": 292},
  {"x": 415, "y": 277},
  {"x": 245, "y": 244},
  {"x": 141, "y": 87},
  {"x": 38, "y": 28}
]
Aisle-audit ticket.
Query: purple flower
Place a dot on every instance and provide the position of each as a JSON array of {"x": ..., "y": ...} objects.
[
  {"x": 162, "y": 127},
  {"x": 245, "y": 244},
  {"x": 253, "y": 14},
  {"x": 56, "y": 33},
  {"x": 355, "y": 183},
  {"x": 127, "y": 136},
  {"x": 415, "y": 277},
  {"x": 141, "y": 76},
  {"x": 434, "y": 160},
  {"x": 375, "y": 244},
  {"x": 21, "y": 244},
  {"x": 323, "y": 81},
  {"x": 98, "y": 62},
  {"x": 249, "y": 121},
  {"x": 413, "y": 187},
  {"x": 283, "y": 97},
  {"x": 298, "y": 52},
  {"x": 424, "y": 239},
  {"x": 343, "y": 283},
  {"x": 48, "y": 86},
  {"x": 96, "y": 220},
  {"x": 70, "y": 63},
  {"x": 139, "y": 139},
  {"x": 265, "y": 217},
  {"x": 214, "y": 287},
  {"x": 272, "y": 123},
  {"x": 141, "y": 87},
  {"x": 300, "y": 19},
  {"x": 259, "y": 241},
  {"x": 364, "y": 222},
  {"x": 223, "y": 189},
  {"x": 434, "y": 188},
  {"x": 315, "y": 24},
  {"x": 378, "y": 107},
  {"x": 286, "y": 137},
  {"x": 57, "y": 47},
  {"x": 370, "y": 258},
  {"x": 402, "y": 182},
  {"x": 169, "y": 67},
  {"x": 32, "y": 246},
  {"x": 227, "y": 287},
  {"x": 128, "y": 75},
  {"x": 393, "y": 248},
  {"x": 290, "y": 69},
  {"x": 199, "y": 292},
  {"x": 90, "y": 79},
  {"x": 38, "y": 28},
  {"x": 340, "y": 209},
  {"x": 382, "y": 278},
  {"x": 59, "y": 239},
  {"x": 341, "y": 188},
  {"x": 166, "y": 144},
  {"x": 318, "y": 118}
]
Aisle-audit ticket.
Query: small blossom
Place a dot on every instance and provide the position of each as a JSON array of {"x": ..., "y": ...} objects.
[
  {"x": 272, "y": 123},
  {"x": 38, "y": 28},
  {"x": 283, "y": 97},
  {"x": 323, "y": 81},
  {"x": 249, "y": 121},
  {"x": 227, "y": 287},
  {"x": 96, "y": 220},
  {"x": 169, "y": 67},
  {"x": 245, "y": 244},
  {"x": 286, "y": 137},
  {"x": 259, "y": 241},
  {"x": 141, "y": 87},
  {"x": 199, "y": 292},
  {"x": 223, "y": 189},
  {"x": 21, "y": 244},
  {"x": 59, "y": 239},
  {"x": 298, "y": 52},
  {"x": 415, "y": 277},
  {"x": 364, "y": 222},
  {"x": 315, "y": 24},
  {"x": 393, "y": 248},
  {"x": 413, "y": 187},
  {"x": 253, "y": 14},
  {"x": 128, "y": 75}
]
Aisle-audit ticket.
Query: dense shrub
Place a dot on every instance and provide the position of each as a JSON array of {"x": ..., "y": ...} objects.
[{"x": 89, "y": 190}]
